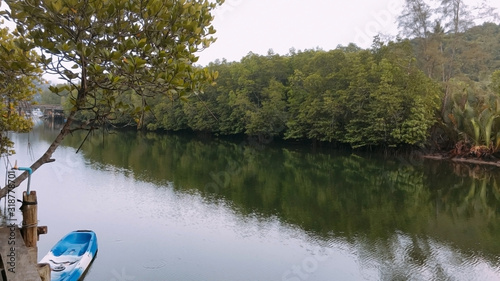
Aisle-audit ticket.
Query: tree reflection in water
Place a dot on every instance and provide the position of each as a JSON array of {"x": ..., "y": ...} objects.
[{"x": 403, "y": 218}]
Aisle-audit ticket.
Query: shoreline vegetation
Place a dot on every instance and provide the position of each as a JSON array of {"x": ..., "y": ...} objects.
[{"x": 436, "y": 86}]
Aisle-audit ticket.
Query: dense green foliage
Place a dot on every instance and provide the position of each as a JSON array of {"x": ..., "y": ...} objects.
[
  {"x": 462, "y": 58},
  {"x": 393, "y": 94},
  {"x": 18, "y": 75},
  {"x": 118, "y": 56},
  {"x": 348, "y": 95}
]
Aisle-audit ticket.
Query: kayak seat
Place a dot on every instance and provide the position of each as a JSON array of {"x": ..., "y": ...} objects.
[
  {"x": 74, "y": 245},
  {"x": 70, "y": 249}
]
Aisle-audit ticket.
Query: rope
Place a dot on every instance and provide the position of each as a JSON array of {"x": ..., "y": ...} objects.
[
  {"x": 27, "y": 203},
  {"x": 29, "y": 225}
]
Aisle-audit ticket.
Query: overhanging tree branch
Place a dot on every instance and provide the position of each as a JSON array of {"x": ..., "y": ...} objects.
[{"x": 116, "y": 55}]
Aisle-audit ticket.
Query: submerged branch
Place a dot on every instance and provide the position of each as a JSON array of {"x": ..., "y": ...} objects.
[{"x": 474, "y": 161}]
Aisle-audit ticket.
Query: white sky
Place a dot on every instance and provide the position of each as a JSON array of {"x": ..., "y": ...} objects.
[
  {"x": 259, "y": 25},
  {"x": 256, "y": 26}
]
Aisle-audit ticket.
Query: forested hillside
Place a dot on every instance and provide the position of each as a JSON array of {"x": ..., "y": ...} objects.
[
  {"x": 390, "y": 95},
  {"x": 438, "y": 85},
  {"x": 347, "y": 95}
]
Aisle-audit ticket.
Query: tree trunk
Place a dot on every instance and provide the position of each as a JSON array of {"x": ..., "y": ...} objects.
[{"x": 45, "y": 158}]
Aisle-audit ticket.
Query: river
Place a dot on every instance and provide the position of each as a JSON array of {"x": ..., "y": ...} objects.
[{"x": 176, "y": 207}]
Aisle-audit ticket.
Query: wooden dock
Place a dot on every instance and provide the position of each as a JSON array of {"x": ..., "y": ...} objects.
[
  {"x": 16, "y": 258},
  {"x": 19, "y": 252}
]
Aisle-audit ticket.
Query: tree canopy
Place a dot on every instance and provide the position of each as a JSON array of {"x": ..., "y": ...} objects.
[
  {"x": 111, "y": 52},
  {"x": 394, "y": 94},
  {"x": 116, "y": 56},
  {"x": 348, "y": 95},
  {"x": 18, "y": 75},
  {"x": 463, "y": 58}
]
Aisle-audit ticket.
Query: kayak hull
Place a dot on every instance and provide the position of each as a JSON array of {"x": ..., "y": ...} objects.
[{"x": 72, "y": 255}]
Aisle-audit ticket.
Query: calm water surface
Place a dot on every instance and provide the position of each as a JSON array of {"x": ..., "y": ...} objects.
[{"x": 169, "y": 207}]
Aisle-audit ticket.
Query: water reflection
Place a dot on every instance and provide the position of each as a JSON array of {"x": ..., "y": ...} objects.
[{"x": 396, "y": 219}]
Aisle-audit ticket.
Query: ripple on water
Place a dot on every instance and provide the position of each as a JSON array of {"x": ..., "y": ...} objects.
[
  {"x": 154, "y": 264},
  {"x": 405, "y": 257}
]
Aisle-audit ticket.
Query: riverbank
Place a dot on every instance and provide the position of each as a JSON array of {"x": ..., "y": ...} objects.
[{"x": 474, "y": 161}]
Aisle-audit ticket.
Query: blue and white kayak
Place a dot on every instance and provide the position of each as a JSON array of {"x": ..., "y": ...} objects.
[{"x": 72, "y": 255}]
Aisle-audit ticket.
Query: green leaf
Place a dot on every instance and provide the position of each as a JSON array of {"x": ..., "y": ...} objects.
[{"x": 142, "y": 43}]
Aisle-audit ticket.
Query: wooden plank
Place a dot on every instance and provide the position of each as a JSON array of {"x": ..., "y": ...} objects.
[
  {"x": 17, "y": 261},
  {"x": 44, "y": 271}
]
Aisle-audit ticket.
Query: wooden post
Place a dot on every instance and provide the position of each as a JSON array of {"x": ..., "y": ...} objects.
[
  {"x": 30, "y": 221},
  {"x": 44, "y": 271}
]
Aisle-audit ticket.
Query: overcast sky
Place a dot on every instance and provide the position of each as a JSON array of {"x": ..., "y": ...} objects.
[{"x": 256, "y": 26}]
